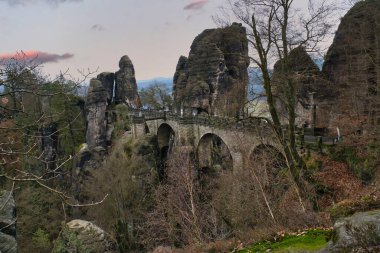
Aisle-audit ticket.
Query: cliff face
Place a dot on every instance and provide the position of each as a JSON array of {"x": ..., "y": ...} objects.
[
  {"x": 125, "y": 84},
  {"x": 107, "y": 79},
  {"x": 346, "y": 92},
  {"x": 8, "y": 219},
  {"x": 96, "y": 106},
  {"x": 106, "y": 89},
  {"x": 305, "y": 75},
  {"x": 214, "y": 77},
  {"x": 352, "y": 66}
]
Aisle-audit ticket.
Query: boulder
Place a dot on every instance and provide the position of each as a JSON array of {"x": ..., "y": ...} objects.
[
  {"x": 214, "y": 78},
  {"x": 126, "y": 85},
  {"x": 8, "y": 243},
  {"x": 7, "y": 223},
  {"x": 356, "y": 233},
  {"x": 91, "y": 237},
  {"x": 163, "y": 249}
]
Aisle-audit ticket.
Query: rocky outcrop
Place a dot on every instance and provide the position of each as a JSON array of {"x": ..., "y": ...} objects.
[
  {"x": 304, "y": 72},
  {"x": 49, "y": 142},
  {"x": 91, "y": 238},
  {"x": 96, "y": 106},
  {"x": 358, "y": 233},
  {"x": 214, "y": 77},
  {"x": 108, "y": 80},
  {"x": 104, "y": 90},
  {"x": 345, "y": 94},
  {"x": 126, "y": 85},
  {"x": 8, "y": 241},
  {"x": 310, "y": 88},
  {"x": 352, "y": 66},
  {"x": 180, "y": 79}
]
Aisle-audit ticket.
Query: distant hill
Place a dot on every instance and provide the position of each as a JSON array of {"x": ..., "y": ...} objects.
[
  {"x": 319, "y": 62},
  {"x": 255, "y": 85},
  {"x": 82, "y": 90},
  {"x": 168, "y": 81}
]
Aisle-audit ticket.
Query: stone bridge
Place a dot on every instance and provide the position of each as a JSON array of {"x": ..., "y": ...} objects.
[{"x": 196, "y": 134}]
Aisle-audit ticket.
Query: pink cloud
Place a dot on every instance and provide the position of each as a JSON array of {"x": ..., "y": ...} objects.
[
  {"x": 28, "y": 2},
  {"x": 195, "y": 5},
  {"x": 38, "y": 56}
]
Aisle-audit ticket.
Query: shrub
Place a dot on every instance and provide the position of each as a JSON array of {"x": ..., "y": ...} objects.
[
  {"x": 129, "y": 176},
  {"x": 362, "y": 160},
  {"x": 41, "y": 240},
  {"x": 68, "y": 242},
  {"x": 349, "y": 207}
]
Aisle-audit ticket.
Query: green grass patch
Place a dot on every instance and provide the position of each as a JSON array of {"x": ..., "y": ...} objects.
[{"x": 310, "y": 241}]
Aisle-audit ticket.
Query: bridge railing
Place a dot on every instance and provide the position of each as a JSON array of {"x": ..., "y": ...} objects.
[{"x": 139, "y": 116}]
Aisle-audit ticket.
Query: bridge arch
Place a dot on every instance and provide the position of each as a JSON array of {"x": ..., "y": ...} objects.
[
  {"x": 267, "y": 162},
  {"x": 213, "y": 152},
  {"x": 146, "y": 129},
  {"x": 165, "y": 139},
  {"x": 271, "y": 154}
]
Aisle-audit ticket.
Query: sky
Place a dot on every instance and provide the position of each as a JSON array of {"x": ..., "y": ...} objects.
[
  {"x": 94, "y": 34},
  {"x": 72, "y": 35}
]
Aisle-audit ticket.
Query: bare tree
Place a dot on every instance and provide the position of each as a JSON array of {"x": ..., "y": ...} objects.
[
  {"x": 156, "y": 96},
  {"x": 36, "y": 115},
  {"x": 275, "y": 27}
]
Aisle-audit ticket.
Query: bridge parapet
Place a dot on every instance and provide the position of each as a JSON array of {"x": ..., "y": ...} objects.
[
  {"x": 141, "y": 116},
  {"x": 147, "y": 114}
]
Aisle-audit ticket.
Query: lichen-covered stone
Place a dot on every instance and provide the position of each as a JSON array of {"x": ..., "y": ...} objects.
[
  {"x": 88, "y": 237},
  {"x": 126, "y": 85},
  {"x": 8, "y": 241},
  {"x": 214, "y": 77},
  {"x": 357, "y": 233}
]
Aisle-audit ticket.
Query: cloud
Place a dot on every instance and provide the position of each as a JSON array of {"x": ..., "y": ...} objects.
[
  {"x": 195, "y": 5},
  {"x": 97, "y": 27},
  {"x": 28, "y": 2},
  {"x": 35, "y": 56}
]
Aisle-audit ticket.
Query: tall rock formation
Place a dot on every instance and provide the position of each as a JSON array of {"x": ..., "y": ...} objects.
[
  {"x": 305, "y": 74},
  {"x": 96, "y": 106},
  {"x": 108, "y": 80},
  {"x": 214, "y": 78},
  {"x": 352, "y": 66},
  {"x": 108, "y": 88},
  {"x": 311, "y": 90},
  {"x": 126, "y": 85}
]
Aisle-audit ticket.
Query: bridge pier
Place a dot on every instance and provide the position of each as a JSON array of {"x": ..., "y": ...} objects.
[
  {"x": 237, "y": 160},
  {"x": 138, "y": 129}
]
